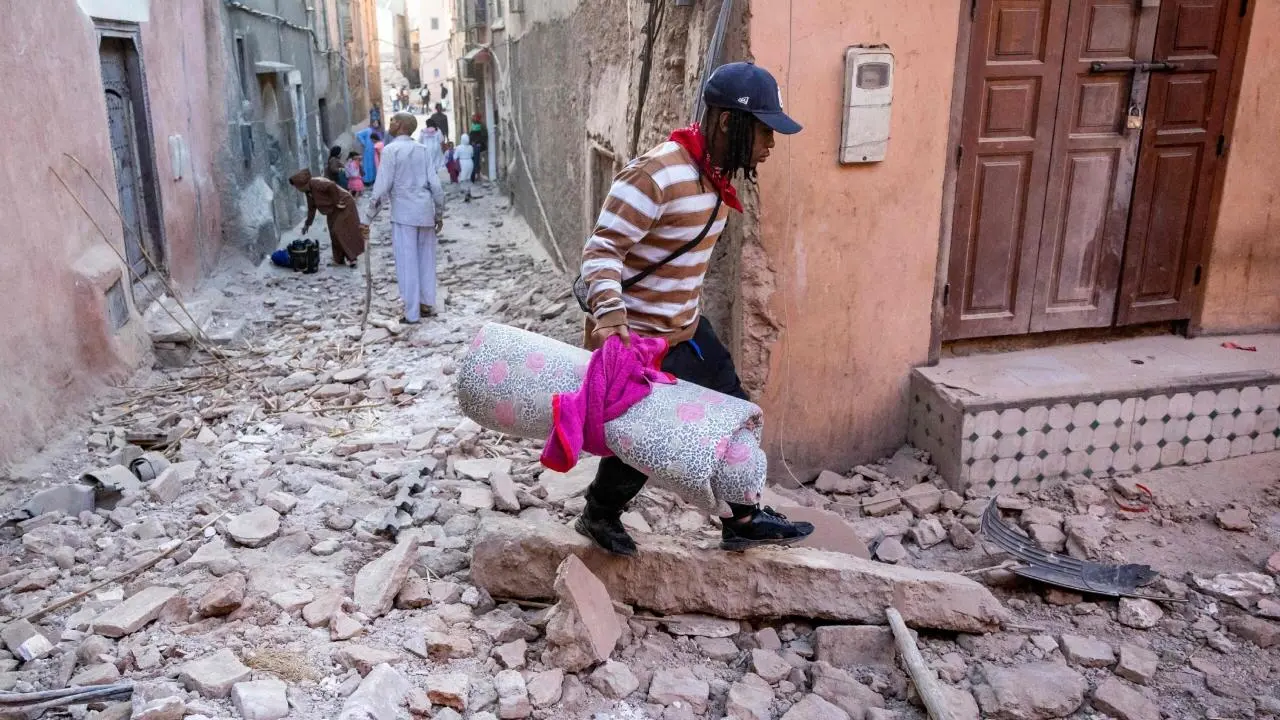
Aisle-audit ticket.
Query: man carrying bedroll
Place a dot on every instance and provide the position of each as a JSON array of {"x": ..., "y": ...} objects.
[{"x": 662, "y": 201}]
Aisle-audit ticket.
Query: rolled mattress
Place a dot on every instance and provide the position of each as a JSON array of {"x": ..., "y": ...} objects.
[{"x": 699, "y": 443}]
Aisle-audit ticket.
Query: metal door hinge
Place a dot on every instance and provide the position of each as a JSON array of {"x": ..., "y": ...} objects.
[
  {"x": 1199, "y": 272},
  {"x": 946, "y": 294},
  {"x": 1222, "y": 145}
]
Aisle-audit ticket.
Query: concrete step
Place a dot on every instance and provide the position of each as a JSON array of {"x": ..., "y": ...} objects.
[{"x": 1009, "y": 421}]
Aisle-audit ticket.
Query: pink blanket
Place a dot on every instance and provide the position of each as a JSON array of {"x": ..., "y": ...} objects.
[{"x": 617, "y": 378}]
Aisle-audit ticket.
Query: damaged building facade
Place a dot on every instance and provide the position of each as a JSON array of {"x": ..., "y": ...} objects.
[
  {"x": 199, "y": 112},
  {"x": 1069, "y": 190},
  {"x": 302, "y": 76}
]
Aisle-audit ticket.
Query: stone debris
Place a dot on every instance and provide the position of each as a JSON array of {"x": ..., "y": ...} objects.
[
  {"x": 855, "y": 645},
  {"x": 1118, "y": 700},
  {"x": 449, "y": 689},
  {"x": 812, "y": 707},
  {"x": 255, "y": 528},
  {"x": 214, "y": 675},
  {"x": 362, "y": 573},
  {"x": 679, "y": 686},
  {"x": 582, "y": 629},
  {"x": 1137, "y": 664},
  {"x": 1086, "y": 652},
  {"x": 614, "y": 680},
  {"x": 260, "y": 699},
  {"x": 750, "y": 699},
  {"x": 1139, "y": 613},
  {"x": 141, "y": 608},
  {"x": 1033, "y": 691},
  {"x": 379, "y": 696},
  {"x": 512, "y": 558},
  {"x": 513, "y": 695},
  {"x": 224, "y": 597},
  {"x": 378, "y": 583}
]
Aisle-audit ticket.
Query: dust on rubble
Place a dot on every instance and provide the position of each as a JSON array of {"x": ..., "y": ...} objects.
[{"x": 344, "y": 494}]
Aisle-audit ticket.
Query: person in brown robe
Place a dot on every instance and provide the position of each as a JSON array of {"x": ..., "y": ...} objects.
[{"x": 338, "y": 208}]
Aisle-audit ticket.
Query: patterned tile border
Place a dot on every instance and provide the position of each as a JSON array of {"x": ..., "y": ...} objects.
[{"x": 1017, "y": 447}]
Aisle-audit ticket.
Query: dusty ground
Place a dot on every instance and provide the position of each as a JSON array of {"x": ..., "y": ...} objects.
[{"x": 306, "y": 414}]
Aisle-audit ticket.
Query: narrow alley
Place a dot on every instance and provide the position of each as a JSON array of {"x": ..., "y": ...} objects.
[{"x": 829, "y": 360}]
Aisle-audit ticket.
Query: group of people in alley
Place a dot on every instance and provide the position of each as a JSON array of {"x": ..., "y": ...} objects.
[
  {"x": 405, "y": 174},
  {"x": 642, "y": 269}
]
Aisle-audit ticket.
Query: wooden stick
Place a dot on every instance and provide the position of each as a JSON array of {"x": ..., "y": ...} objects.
[
  {"x": 126, "y": 574},
  {"x": 925, "y": 681}
]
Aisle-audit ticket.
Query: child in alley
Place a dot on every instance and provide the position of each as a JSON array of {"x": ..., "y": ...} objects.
[{"x": 409, "y": 179}]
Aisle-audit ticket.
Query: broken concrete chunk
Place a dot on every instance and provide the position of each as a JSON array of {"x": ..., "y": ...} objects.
[
  {"x": 255, "y": 528},
  {"x": 582, "y": 628},
  {"x": 1260, "y": 632},
  {"x": 812, "y": 707},
  {"x": 830, "y": 482},
  {"x": 769, "y": 665},
  {"x": 1034, "y": 691},
  {"x": 362, "y": 658},
  {"x": 1242, "y": 588},
  {"x": 1085, "y": 534},
  {"x": 482, "y": 468},
  {"x": 1139, "y": 613},
  {"x": 504, "y": 492},
  {"x": 513, "y": 695},
  {"x": 850, "y": 646},
  {"x": 69, "y": 500},
  {"x": 260, "y": 699},
  {"x": 843, "y": 690},
  {"x": 96, "y": 674},
  {"x": 1235, "y": 518},
  {"x": 614, "y": 680},
  {"x": 546, "y": 688},
  {"x": 562, "y": 486},
  {"x": 141, "y": 608},
  {"x": 517, "y": 559},
  {"x": 1087, "y": 652},
  {"x": 1137, "y": 664},
  {"x": 379, "y": 697},
  {"x": 224, "y": 597},
  {"x": 1118, "y": 700},
  {"x": 750, "y": 699},
  {"x": 890, "y": 550},
  {"x": 923, "y": 499},
  {"x": 25, "y": 641},
  {"x": 928, "y": 532},
  {"x": 378, "y": 583},
  {"x": 883, "y": 503},
  {"x": 673, "y": 685},
  {"x": 213, "y": 675},
  {"x": 449, "y": 689}
]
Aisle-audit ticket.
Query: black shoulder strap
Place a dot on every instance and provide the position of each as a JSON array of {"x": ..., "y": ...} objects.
[{"x": 715, "y": 212}]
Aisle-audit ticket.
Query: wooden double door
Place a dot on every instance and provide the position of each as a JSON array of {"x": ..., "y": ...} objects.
[{"x": 1091, "y": 135}]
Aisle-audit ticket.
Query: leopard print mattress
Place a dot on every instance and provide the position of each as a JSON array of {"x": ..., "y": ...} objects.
[{"x": 697, "y": 442}]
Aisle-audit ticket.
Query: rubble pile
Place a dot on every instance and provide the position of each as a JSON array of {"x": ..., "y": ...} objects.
[{"x": 304, "y": 526}]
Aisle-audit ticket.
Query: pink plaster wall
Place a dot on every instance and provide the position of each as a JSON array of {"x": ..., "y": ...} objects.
[
  {"x": 55, "y": 346},
  {"x": 1242, "y": 278},
  {"x": 853, "y": 248}
]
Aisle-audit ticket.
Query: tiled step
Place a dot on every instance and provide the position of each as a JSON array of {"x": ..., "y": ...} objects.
[{"x": 1009, "y": 421}]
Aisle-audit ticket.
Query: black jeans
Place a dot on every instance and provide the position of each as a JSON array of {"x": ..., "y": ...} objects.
[{"x": 704, "y": 361}]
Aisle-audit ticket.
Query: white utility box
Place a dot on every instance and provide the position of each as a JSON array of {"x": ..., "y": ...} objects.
[{"x": 868, "y": 103}]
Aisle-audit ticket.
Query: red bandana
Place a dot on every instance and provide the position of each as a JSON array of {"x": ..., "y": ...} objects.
[{"x": 691, "y": 139}]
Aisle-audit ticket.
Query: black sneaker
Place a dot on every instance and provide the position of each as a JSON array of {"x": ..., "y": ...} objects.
[
  {"x": 766, "y": 526},
  {"x": 606, "y": 531}
]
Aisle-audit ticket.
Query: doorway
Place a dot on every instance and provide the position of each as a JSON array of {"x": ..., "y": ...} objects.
[
  {"x": 132, "y": 152},
  {"x": 1090, "y": 138}
]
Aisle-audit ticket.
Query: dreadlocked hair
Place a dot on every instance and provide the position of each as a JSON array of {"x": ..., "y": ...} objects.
[{"x": 738, "y": 142}]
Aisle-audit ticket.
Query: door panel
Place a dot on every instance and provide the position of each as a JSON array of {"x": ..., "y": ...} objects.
[
  {"x": 120, "y": 129},
  {"x": 1013, "y": 70},
  {"x": 1186, "y": 113},
  {"x": 1091, "y": 171}
]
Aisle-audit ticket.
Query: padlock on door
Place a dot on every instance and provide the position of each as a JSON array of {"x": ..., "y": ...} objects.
[{"x": 1134, "y": 121}]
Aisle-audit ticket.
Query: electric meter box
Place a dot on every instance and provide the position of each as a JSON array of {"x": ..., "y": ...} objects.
[{"x": 868, "y": 102}]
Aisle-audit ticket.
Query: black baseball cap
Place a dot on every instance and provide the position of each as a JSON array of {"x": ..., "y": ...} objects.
[{"x": 744, "y": 86}]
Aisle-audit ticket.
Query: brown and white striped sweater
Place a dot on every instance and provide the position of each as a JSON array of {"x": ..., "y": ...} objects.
[{"x": 657, "y": 203}]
